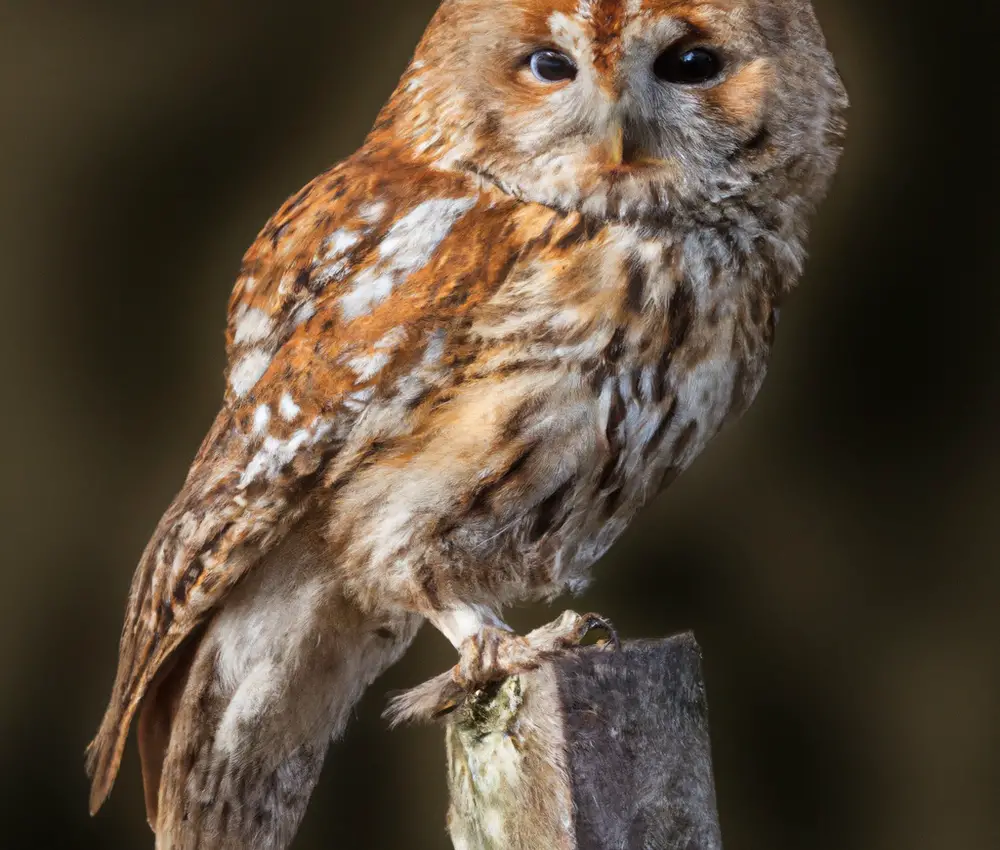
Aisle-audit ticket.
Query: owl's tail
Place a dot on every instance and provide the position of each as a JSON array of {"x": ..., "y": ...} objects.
[{"x": 104, "y": 754}]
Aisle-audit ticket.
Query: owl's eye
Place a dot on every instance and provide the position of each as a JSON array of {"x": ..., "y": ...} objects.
[
  {"x": 550, "y": 66},
  {"x": 688, "y": 66}
]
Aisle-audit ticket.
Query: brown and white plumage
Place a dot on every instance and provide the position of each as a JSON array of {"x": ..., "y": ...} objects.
[{"x": 460, "y": 362}]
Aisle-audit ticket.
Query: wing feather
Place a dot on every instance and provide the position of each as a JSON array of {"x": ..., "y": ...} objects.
[{"x": 337, "y": 300}]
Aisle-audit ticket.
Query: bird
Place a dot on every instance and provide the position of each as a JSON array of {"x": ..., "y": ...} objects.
[{"x": 460, "y": 362}]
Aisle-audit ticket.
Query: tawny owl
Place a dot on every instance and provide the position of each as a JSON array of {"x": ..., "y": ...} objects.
[{"x": 460, "y": 362}]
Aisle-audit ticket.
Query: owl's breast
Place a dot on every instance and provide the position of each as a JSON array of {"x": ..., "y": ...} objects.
[
  {"x": 579, "y": 388},
  {"x": 688, "y": 355}
]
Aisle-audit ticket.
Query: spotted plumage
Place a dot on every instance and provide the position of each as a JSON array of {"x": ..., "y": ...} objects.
[{"x": 459, "y": 363}]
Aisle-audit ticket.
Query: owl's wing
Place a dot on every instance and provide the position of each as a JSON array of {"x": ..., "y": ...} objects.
[{"x": 344, "y": 299}]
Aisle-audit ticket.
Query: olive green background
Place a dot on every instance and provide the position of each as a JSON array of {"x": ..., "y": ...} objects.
[{"x": 837, "y": 553}]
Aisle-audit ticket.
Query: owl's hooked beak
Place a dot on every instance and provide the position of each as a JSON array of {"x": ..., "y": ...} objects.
[
  {"x": 621, "y": 149},
  {"x": 616, "y": 144}
]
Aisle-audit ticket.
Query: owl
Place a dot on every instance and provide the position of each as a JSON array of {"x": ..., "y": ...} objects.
[{"x": 460, "y": 362}]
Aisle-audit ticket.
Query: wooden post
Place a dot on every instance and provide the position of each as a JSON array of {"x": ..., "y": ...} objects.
[{"x": 594, "y": 751}]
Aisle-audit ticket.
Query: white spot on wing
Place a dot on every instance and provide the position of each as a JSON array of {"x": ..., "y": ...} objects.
[
  {"x": 369, "y": 290},
  {"x": 373, "y": 212},
  {"x": 276, "y": 454},
  {"x": 356, "y": 402},
  {"x": 288, "y": 409},
  {"x": 261, "y": 419},
  {"x": 252, "y": 325},
  {"x": 435, "y": 349},
  {"x": 406, "y": 248},
  {"x": 303, "y": 313},
  {"x": 413, "y": 239},
  {"x": 368, "y": 366},
  {"x": 339, "y": 243},
  {"x": 245, "y": 374},
  {"x": 334, "y": 264},
  {"x": 393, "y": 339}
]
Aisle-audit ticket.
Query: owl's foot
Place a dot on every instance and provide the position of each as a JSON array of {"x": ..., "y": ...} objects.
[
  {"x": 492, "y": 655},
  {"x": 495, "y": 654}
]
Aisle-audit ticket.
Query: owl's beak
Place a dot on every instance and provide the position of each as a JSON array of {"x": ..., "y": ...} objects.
[
  {"x": 616, "y": 144},
  {"x": 622, "y": 150}
]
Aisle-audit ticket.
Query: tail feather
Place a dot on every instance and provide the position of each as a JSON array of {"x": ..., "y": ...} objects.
[{"x": 104, "y": 754}]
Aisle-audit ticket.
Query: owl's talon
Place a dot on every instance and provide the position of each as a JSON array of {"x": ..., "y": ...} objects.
[
  {"x": 597, "y": 623},
  {"x": 492, "y": 655}
]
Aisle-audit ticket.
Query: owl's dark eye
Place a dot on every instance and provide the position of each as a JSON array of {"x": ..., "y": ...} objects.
[
  {"x": 551, "y": 66},
  {"x": 688, "y": 66}
]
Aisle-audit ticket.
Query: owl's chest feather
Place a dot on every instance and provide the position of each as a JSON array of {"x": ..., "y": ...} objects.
[
  {"x": 688, "y": 331},
  {"x": 575, "y": 391}
]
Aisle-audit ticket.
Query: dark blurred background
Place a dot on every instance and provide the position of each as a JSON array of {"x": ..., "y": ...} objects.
[{"x": 837, "y": 554}]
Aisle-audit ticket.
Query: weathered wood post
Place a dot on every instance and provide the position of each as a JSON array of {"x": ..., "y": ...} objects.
[{"x": 601, "y": 750}]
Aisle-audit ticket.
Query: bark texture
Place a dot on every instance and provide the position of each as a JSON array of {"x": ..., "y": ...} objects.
[{"x": 594, "y": 751}]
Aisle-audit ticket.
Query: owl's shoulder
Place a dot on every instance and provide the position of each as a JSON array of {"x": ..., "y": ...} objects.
[
  {"x": 321, "y": 236},
  {"x": 365, "y": 264}
]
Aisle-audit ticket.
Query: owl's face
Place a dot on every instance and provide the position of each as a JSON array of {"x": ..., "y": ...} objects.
[{"x": 624, "y": 107}]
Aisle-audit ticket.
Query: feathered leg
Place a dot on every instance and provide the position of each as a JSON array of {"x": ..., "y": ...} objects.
[{"x": 271, "y": 683}]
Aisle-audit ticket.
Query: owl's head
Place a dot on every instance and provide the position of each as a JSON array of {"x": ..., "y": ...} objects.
[{"x": 626, "y": 107}]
